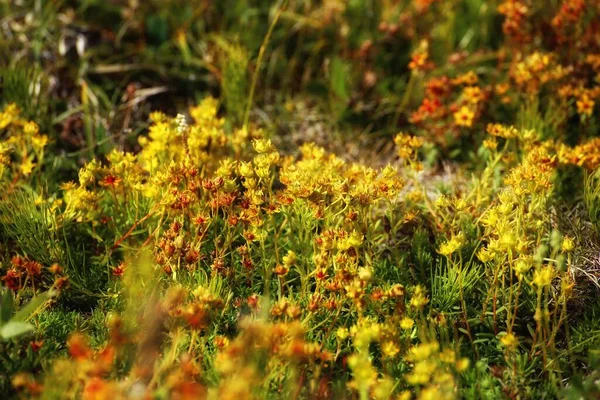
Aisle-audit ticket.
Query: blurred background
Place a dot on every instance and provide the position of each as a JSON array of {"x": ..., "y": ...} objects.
[{"x": 341, "y": 73}]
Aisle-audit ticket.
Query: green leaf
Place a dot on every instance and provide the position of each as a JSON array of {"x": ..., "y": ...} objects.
[
  {"x": 94, "y": 235},
  {"x": 14, "y": 329},
  {"x": 32, "y": 306},
  {"x": 338, "y": 79},
  {"x": 7, "y": 307}
]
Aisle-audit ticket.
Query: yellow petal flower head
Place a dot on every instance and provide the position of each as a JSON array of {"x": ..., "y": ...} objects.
[
  {"x": 543, "y": 276},
  {"x": 464, "y": 117},
  {"x": 452, "y": 245}
]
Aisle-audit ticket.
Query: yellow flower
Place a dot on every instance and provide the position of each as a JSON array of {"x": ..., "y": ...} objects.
[
  {"x": 384, "y": 388},
  {"x": 157, "y": 116},
  {"x": 39, "y": 142},
  {"x": 448, "y": 356},
  {"x": 246, "y": 170},
  {"x": 363, "y": 372},
  {"x": 464, "y": 117},
  {"x": 407, "y": 145},
  {"x": 405, "y": 395},
  {"x": 422, "y": 351},
  {"x": 431, "y": 393},
  {"x": 30, "y": 128},
  {"x": 290, "y": 258},
  {"x": 568, "y": 244},
  {"x": 390, "y": 349},
  {"x": 442, "y": 201},
  {"x": 452, "y": 245},
  {"x": 342, "y": 333},
  {"x": 421, "y": 373},
  {"x": 5, "y": 120},
  {"x": 485, "y": 255},
  {"x": 508, "y": 240},
  {"x": 509, "y": 340},
  {"x": 543, "y": 276},
  {"x": 5, "y": 151},
  {"x": 353, "y": 240},
  {"x": 506, "y": 132},
  {"x": 263, "y": 172},
  {"x": 522, "y": 265},
  {"x": 407, "y": 323},
  {"x": 10, "y": 114},
  {"x": 27, "y": 166},
  {"x": 473, "y": 94},
  {"x": 418, "y": 299},
  {"x": 491, "y": 144},
  {"x": 585, "y": 105},
  {"x": 365, "y": 274},
  {"x": 262, "y": 146},
  {"x": 462, "y": 364}
]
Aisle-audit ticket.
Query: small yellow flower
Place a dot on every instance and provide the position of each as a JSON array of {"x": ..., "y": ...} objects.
[
  {"x": 442, "y": 201},
  {"x": 522, "y": 265},
  {"x": 405, "y": 395},
  {"x": 27, "y": 166},
  {"x": 464, "y": 117},
  {"x": 484, "y": 255},
  {"x": 39, "y": 142},
  {"x": 543, "y": 276},
  {"x": 418, "y": 299},
  {"x": 290, "y": 258},
  {"x": 342, "y": 333},
  {"x": 452, "y": 245},
  {"x": 421, "y": 373},
  {"x": 246, "y": 170},
  {"x": 568, "y": 244},
  {"x": 355, "y": 239},
  {"x": 462, "y": 364},
  {"x": 499, "y": 130},
  {"x": 422, "y": 351},
  {"x": 31, "y": 128},
  {"x": 157, "y": 117},
  {"x": 508, "y": 240},
  {"x": 473, "y": 94},
  {"x": 509, "y": 341},
  {"x": 447, "y": 356},
  {"x": 491, "y": 144},
  {"x": 262, "y": 146},
  {"x": 365, "y": 274},
  {"x": 407, "y": 323},
  {"x": 585, "y": 105},
  {"x": 390, "y": 349}
]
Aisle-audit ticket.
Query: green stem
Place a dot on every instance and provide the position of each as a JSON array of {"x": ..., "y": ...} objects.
[{"x": 261, "y": 54}]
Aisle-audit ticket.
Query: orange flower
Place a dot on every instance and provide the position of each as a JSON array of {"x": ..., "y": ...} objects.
[
  {"x": 97, "y": 389},
  {"x": 37, "y": 345},
  {"x": 78, "y": 347},
  {"x": 119, "y": 270},
  {"x": 12, "y": 279}
]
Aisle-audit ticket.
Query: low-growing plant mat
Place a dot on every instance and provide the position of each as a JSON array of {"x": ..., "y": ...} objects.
[{"x": 299, "y": 199}]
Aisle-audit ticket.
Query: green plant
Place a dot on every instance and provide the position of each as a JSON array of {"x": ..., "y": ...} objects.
[{"x": 13, "y": 323}]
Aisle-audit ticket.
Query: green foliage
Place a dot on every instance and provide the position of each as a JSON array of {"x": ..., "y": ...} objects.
[
  {"x": 591, "y": 198},
  {"x": 192, "y": 259},
  {"x": 31, "y": 227},
  {"x": 27, "y": 86},
  {"x": 450, "y": 282},
  {"x": 234, "y": 80},
  {"x": 13, "y": 323}
]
